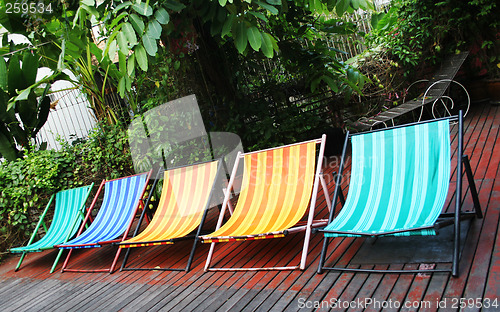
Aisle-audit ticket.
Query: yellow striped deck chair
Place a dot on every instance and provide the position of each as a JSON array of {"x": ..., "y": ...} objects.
[
  {"x": 278, "y": 185},
  {"x": 182, "y": 209}
]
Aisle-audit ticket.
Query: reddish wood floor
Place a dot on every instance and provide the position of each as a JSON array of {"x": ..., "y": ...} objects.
[{"x": 34, "y": 289}]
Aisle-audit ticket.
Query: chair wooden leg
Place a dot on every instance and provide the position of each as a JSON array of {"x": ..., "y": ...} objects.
[
  {"x": 56, "y": 261},
  {"x": 20, "y": 261}
]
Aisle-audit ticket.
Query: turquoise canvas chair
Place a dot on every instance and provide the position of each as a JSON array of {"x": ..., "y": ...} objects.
[
  {"x": 68, "y": 214},
  {"x": 399, "y": 183}
]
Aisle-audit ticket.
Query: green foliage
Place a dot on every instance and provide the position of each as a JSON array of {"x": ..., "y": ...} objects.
[
  {"x": 416, "y": 31},
  {"x": 169, "y": 77},
  {"x": 24, "y": 104},
  {"x": 138, "y": 28},
  {"x": 105, "y": 154},
  {"x": 26, "y": 185}
]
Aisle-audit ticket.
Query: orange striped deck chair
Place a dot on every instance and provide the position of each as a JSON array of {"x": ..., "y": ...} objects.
[
  {"x": 185, "y": 199},
  {"x": 277, "y": 187}
]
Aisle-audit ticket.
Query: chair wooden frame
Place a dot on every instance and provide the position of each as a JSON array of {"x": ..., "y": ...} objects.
[
  {"x": 91, "y": 239},
  {"x": 67, "y": 215}
]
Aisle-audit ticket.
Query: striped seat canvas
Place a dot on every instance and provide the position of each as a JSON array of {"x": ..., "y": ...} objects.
[
  {"x": 119, "y": 205},
  {"x": 275, "y": 192},
  {"x": 68, "y": 213},
  {"x": 398, "y": 186},
  {"x": 278, "y": 186},
  {"x": 399, "y": 182},
  {"x": 184, "y": 201}
]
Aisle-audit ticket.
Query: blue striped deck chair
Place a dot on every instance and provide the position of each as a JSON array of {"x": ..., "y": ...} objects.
[
  {"x": 69, "y": 209},
  {"x": 121, "y": 200},
  {"x": 399, "y": 183}
]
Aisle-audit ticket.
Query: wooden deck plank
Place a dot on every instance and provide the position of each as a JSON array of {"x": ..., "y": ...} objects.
[
  {"x": 255, "y": 279},
  {"x": 64, "y": 291},
  {"x": 416, "y": 293},
  {"x": 401, "y": 287},
  {"x": 193, "y": 289},
  {"x": 80, "y": 293},
  {"x": 434, "y": 291},
  {"x": 366, "y": 291},
  {"x": 456, "y": 286},
  {"x": 240, "y": 280},
  {"x": 271, "y": 290},
  {"x": 492, "y": 287},
  {"x": 20, "y": 300},
  {"x": 385, "y": 287}
]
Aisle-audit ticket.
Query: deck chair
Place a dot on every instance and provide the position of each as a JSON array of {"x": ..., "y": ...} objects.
[
  {"x": 121, "y": 200},
  {"x": 185, "y": 199},
  {"x": 277, "y": 187},
  {"x": 434, "y": 93},
  {"x": 68, "y": 212},
  {"x": 399, "y": 184}
]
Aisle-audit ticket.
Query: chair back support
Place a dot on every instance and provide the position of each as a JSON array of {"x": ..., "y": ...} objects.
[
  {"x": 68, "y": 204},
  {"x": 275, "y": 192},
  {"x": 399, "y": 181},
  {"x": 121, "y": 197},
  {"x": 183, "y": 200}
]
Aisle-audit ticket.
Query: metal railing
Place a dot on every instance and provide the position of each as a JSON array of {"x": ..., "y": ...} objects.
[{"x": 70, "y": 117}]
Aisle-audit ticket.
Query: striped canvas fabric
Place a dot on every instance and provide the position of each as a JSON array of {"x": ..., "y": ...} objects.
[
  {"x": 184, "y": 197},
  {"x": 275, "y": 193},
  {"x": 68, "y": 203},
  {"x": 399, "y": 181},
  {"x": 121, "y": 197}
]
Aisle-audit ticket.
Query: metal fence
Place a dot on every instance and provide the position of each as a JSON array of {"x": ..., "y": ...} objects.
[
  {"x": 69, "y": 119},
  {"x": 354, "y": 44}
]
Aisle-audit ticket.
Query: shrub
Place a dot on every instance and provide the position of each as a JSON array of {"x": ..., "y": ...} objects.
[{"x": 27, "y": 183}]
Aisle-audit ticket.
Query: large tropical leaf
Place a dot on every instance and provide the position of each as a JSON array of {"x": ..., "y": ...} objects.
[
  {"x": 267, "y": 45},
  {"x": 143, "y": 8},
  {"x": 122, "y": 43},
  {"x": 141, "y": 57},
  {"x": 137, "y": 23},
  {"x": 43, "y": 112},
  {"x": 15, "y": 76},
  {"x": 240, "y": 36},
  {"x": 162, "y": 16},
  {"x": 150, "y": 44},
  {"x": 129, "y": 33},
  {"x": 154, "y": 30},
  {"x": 30, "y": 67},
  {"x": 7, "y": 147},
  {"x": 3, "y": 74},
  {"x": 254, "y": 38}
]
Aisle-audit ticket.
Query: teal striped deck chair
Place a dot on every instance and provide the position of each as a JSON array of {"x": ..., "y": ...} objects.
[
  {"x": 121, "y": 200},
  {"x": 399, "y": 183},
  {"x": 68, "y": 213}
]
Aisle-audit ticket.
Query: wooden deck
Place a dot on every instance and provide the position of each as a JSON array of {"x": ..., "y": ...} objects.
[{"x": 34, "y": 289}]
